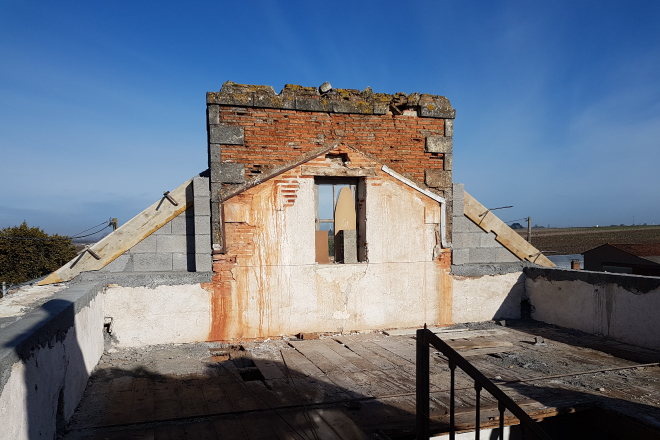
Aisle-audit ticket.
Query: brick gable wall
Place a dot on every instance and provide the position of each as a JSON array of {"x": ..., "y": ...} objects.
[{"x": 252, "y": 130}]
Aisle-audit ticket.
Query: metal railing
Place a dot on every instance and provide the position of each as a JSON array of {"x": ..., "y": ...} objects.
[{"x": 426, "y": 337}]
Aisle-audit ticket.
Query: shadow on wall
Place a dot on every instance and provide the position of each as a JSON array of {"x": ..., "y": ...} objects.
[
  {"x": 224, "y": 400},
  {"x": 513, "y": 305},
  {"x": 53, "y": 372},
  {"x": 487, "y": 297}
]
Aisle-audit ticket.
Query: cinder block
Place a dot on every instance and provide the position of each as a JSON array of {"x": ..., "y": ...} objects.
[
  {"x": 203, "y": 262},
  {"x": 439, "y": 144},
  {"x": 201, "y": 187},
  {"x": 460, "y": 256},
  {"x": 463, "y": 224},
  {"x": 226, "y": 134},
  {"x": 171, "y": 244},
  {"x": 503, "y": 255},
  {"x": 346, "y": 246},
  {"x": 183, "y": 262},
  {"x": 488, "y": 240},
  {"x": 148, "y": 245},
  {"x": 483, "y": 255},
  {"x": 203, "y": 244},
  {"x": 152, "y": 262},
  {"x": 459, "y": 191},
  {"x": 473, "y": 227},
  {"x": 228, "y": 172},
  {"x": 202, "y": 206},
  {"x": 166, "y": 229},
  {"x": 465, "y": 240},
  {"x": 202, "y": 225},
  {"x": 120, "y": 264},
  {"x": 183, "y": 225},
  {"x": 458, "y": 207},
  {"x": 215, "y": 154},
  {"x": 437, "y": 178}
]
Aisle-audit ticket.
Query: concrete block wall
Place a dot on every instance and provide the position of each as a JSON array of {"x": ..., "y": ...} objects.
[
  {"x": 181, "y": 245},
  {"x": 471, "y": 244}
]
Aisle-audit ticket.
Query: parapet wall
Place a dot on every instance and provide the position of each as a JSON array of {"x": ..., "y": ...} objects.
[
  {"x": 625, "y": 308},
  {"x": 46, "y": 358}
]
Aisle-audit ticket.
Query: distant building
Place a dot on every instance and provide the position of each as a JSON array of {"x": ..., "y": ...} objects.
[{"x": 632, "y": 258}]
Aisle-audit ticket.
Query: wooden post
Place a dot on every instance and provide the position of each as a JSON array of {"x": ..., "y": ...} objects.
[
  {"x": 422, "y": 422},
  {"x": 529, "y": 229}
]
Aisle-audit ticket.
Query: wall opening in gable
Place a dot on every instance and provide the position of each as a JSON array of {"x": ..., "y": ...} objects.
[{"x": 326, "y": 192}]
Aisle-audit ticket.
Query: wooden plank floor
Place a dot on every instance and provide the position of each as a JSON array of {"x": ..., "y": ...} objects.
[{"x": 349, "y": 386}]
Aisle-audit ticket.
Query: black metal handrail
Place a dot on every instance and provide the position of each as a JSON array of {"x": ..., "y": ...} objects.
[{"x": 426, "y": 337}]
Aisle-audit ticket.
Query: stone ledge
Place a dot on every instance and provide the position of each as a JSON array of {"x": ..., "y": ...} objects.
[
  {"x": 349, "y": 101},
  {"x": 636, "y": 284},
  {"x": 480, "y": 270},
  {"x": 145, "y": 279},
  {"x": 39, "y": 327}
]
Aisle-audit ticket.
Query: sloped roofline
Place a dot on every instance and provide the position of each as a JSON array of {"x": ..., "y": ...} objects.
[{"x": 304, "y": 158}]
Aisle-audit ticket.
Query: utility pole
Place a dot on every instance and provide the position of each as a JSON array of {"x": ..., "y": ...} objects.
[{"x": 529, "y": 229}]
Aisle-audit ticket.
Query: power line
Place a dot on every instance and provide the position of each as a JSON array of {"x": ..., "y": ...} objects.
[
  {"x": 74, "y": 237},
  {"x": 82, "y": 232}
]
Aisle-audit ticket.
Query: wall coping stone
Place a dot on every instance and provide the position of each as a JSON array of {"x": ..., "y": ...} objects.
[
  {"x": 145, "y": 279},
  {"x": 43, "y": 326},
  {"x": 480, "y": 270},
  {"x": 295, "y": 97},
  {"x": 637, "y": 284}
]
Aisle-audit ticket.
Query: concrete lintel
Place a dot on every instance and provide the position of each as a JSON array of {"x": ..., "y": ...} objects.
[{"x": 309, "y": 170}]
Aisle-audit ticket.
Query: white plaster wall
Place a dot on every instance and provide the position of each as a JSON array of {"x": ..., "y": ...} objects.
[
  {"x": 341, "y": 297},
  {"x": 29, "y": 399},
  {"x": 279, "y": 289},
  {"x": 608, "y": 309},
  {"x": 160, "y": 315},
  {"x": 487, "y": 297}
]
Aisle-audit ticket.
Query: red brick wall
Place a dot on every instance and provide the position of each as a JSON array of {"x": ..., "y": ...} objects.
[{"x": 277, "y": 136}]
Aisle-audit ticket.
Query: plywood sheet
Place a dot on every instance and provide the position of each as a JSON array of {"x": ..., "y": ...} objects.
[
  {"x": 321, "y": 245},
  {"x": 345, "y": 218}
]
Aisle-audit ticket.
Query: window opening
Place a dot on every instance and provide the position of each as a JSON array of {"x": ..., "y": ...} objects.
[{"x": 327, "y": 192}]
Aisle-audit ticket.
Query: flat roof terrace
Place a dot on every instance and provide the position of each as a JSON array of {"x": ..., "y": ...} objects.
[{"x": 354, "y": 386}]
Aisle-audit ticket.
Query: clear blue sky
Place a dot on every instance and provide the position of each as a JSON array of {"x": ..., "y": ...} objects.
[{"x": 102, "y": 104}]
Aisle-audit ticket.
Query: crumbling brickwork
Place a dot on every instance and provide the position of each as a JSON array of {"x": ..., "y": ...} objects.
[{"x": 251, "y": 129}]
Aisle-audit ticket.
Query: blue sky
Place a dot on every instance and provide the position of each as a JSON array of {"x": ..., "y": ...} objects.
[{"x": 102, "y": 104}]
